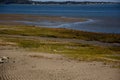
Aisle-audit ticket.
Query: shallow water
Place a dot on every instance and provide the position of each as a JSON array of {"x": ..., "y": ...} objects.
[{"x": 102, "y": 18}]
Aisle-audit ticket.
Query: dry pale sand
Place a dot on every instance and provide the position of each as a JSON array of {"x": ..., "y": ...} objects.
[{"x": 24, "y": 65}]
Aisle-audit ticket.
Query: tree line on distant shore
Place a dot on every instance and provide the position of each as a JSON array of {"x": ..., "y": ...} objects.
[
  {"x": 15, "y": 1},
  {"x": 49, "y": 2}
]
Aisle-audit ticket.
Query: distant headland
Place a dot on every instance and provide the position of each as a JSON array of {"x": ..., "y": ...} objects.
[{"x": 52, "y": 2}]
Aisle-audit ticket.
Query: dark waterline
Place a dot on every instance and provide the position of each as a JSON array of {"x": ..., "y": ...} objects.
[{"x": 104, "y": 18}]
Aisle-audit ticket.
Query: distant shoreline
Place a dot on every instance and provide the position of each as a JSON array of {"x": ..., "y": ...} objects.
[{"x": 55, "y": 2}]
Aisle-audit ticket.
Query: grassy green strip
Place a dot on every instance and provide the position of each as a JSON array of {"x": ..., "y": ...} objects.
[
  {"x": 59, "y": 33},
  {"x": 71, "y": 50}
]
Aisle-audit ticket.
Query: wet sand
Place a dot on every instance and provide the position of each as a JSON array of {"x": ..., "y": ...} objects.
[{"x": 15, "y": 19}]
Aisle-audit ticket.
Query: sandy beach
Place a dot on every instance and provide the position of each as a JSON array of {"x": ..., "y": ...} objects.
[{"x": 24, "y": 65}]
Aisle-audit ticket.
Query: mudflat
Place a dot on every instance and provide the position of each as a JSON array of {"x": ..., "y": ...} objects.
[{"x": 18, "y": 19}]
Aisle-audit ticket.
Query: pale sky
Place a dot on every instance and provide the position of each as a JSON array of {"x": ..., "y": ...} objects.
[{"x": 82, "y": 0}]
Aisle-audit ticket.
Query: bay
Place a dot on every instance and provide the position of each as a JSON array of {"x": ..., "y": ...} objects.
[{"x": 103, "y": 18}]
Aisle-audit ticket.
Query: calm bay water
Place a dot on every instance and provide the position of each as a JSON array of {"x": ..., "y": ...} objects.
[{"x": 102, "y": 18}]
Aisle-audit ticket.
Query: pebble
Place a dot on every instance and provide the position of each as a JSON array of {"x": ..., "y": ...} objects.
[{"x": 3, "y": 59}]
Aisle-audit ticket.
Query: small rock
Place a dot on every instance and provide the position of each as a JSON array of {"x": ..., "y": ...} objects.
[
  {"x": 13, "y": 61},
  {"x": 5, "y": 58},
  {"x": 1, "y": 61},
  {"x": 55, "y": 50}
]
